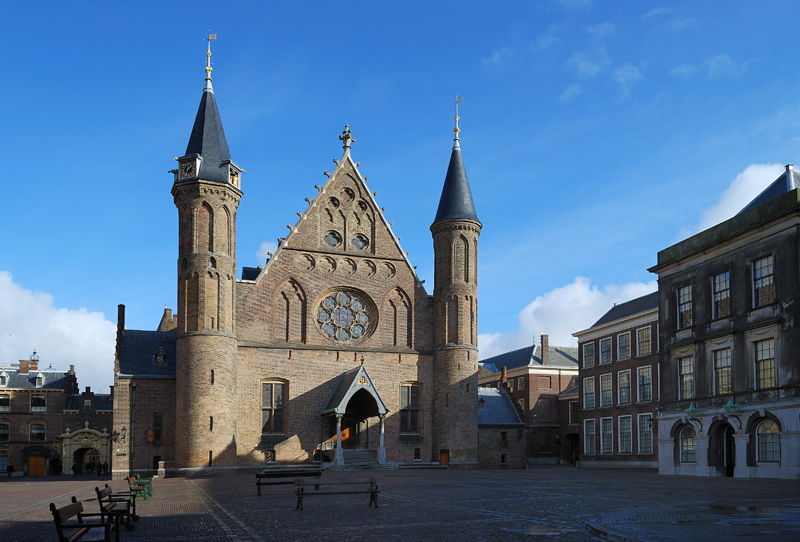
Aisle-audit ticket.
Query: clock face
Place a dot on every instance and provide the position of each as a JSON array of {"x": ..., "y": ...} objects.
[{"x": 187, "y": 169}]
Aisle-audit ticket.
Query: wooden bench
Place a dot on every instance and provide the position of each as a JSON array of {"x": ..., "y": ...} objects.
[
  {"x": 71, "y": 531},
  {"x": 121, "y": 508},
  {"x": 279, "y": 477},
  {"x": 137, "y": 489},
  {"x": 342, "y": 486}
]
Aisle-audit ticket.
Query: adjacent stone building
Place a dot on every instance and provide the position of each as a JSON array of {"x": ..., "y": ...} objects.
[
  {"x": 729, "y": 308},
  {"x": 334, "y": 345},
  {"x": 534, "y": 376},
  {"x": 46, "y": 425},
  {"x": 619, "y": 386}
]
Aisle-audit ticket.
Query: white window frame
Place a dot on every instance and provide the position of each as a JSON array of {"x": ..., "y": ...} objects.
[
  {"x": 639, "y": 387},
  {"x": 630, "y": 434},
  {"x": 641, "y": 422},
  {"x": 610, "y": 423},
  {"x": 594, "y": 393},
  {"x": 609, "y": 378},
  {"x": 619, "y": 348},
  {"x": 619, "y": 387},
  {"x": 594, "y": 357},
  {"x": 586, "y": 450},
  {"x": 610, "y": 351},
  {"x": 639, "y": 343}
]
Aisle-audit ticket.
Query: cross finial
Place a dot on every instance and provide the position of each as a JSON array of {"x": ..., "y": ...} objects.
[
  {"x": 209, "y": 69},
  {"x": 457, "y": 129},
  {"x": 346, "y": 137}
]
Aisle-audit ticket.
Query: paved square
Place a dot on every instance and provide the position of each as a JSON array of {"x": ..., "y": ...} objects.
[{"x": 542, "y": 503}]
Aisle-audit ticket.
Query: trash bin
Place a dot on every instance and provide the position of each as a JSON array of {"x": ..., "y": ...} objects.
[{"x": 444, "y": 457}]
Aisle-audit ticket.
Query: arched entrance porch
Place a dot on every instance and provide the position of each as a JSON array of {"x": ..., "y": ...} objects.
[
  {"x": 354, "y": 405},
  {"x": 84, "y": 445}
]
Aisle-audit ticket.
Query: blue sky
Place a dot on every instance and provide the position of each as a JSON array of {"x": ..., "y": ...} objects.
[{"x": 594, "y": 134}]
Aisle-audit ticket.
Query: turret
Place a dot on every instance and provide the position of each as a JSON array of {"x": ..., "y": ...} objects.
[
  {"x": 207, "y": 192},
  {"x": 455, "y": 231}
]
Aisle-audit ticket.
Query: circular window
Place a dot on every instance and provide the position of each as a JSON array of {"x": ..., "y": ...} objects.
[
  {"x": 333, "y": 239},
  {"x": 345, "y": 316},
  {"x": 360, "y": 242}
]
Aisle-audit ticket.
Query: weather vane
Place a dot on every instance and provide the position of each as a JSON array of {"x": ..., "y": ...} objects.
[
  {"x": 457, "y": 129},
  {"x": 209, "y": 69}
]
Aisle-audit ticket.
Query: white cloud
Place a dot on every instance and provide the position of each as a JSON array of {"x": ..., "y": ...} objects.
[
  {"x": 588, "y": 66},
  {"x": 657, "y": 13},
  {"x": 560, "y": 313},
  {"x": 62, "y": 337},
  {"x": 601, "y": 30},
  {"x": 743, "y": 189},
  {"x": 683, "y": 70},
  {"x": 722, "y": 66},
  {"x": 266, "y": 246},
  {"x": 626, "y": 75},
  {"x": 569, "y": 93}
]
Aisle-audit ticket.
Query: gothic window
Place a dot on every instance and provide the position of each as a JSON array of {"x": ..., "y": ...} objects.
[
  {"x": 409, "y": 408},
  {"x": 272, "y": 407},
  {"x": 344, "y": 316},
  {"x": 333, "y": 239}
]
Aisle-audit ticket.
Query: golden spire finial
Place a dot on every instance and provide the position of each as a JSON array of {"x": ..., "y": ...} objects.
[
  {"x": 209, "y": 69},
  {"x": 457, "y": 129}
]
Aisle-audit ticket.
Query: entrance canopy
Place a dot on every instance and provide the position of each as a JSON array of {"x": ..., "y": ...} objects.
[{"x": 355, "y": 381}]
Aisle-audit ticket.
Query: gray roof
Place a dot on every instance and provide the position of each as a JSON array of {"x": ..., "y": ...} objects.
[
  {"x": 137, "y": 352},
  {"x": 789, "y": 180},
  {"x": 560, "y": 356},
  {"x": 53, "y": 380},
  {"x": 102, "y": 401},
  {"x": 629, "y": 308},
  {"x": 497, "y": 408},
  {"x": 456, "y": 200},
  {"x": 208, "y": 140},
  {"x": 250, "y": 273}
]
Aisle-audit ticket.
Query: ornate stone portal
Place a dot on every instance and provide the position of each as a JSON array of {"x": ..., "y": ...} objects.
[{"x": 84, "y": 439}]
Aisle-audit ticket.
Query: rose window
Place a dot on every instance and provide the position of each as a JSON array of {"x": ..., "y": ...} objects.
[{"x": 344, "y": 317}]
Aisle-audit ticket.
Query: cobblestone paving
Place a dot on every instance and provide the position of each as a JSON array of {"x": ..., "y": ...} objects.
[{"x": 539, "y": 504}]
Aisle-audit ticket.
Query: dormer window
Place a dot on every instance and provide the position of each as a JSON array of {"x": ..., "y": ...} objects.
[{"x": 160, "y": 357}]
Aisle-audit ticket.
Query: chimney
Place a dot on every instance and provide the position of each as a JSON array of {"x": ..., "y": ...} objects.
[
  {"x": 503, "y": 374},
  {"x": 23, "y": 366},
  {"x": 545, "y": 349}
]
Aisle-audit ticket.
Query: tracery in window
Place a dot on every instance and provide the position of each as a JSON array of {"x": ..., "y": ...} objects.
[{"x": 345, "y": 316}]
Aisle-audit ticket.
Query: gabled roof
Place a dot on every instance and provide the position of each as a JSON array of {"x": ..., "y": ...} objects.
[
  {"x": 560, "y": 356},
  {"x": 456, "y": 200},
  {"x": 351, "y": 382},
  {"x": 495, "y": 408},
  {"x": 137, "y": 352},
  {"x": 53, "y": 380},
  {"x": 789, "y": 180},
  {"x": 629, "y": 308},
  {"x": 208, "y": 140}
]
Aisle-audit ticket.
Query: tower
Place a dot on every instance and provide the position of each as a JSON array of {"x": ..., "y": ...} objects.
[
  {"x": 206, "y": 192},
  {"x": 455, "y": 231}
]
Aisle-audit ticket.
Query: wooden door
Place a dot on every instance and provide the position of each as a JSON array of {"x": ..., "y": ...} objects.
[{"x": 36, "y": 466}]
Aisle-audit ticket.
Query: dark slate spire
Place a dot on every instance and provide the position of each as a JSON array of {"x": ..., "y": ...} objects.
[
  {"x": 208, "y": 137},
  {"x": 456, "y": 200}
]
